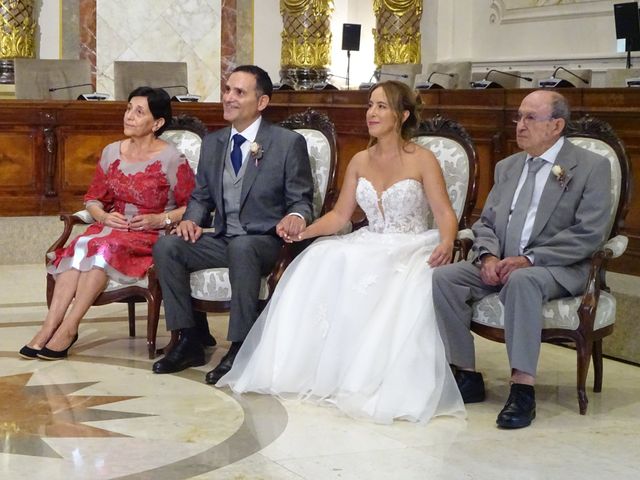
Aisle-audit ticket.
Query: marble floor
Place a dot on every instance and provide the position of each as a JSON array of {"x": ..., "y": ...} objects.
[{"x": 102, "y": 414}]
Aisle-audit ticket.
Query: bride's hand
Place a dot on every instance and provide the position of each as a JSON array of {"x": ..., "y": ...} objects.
[{"x": 441, "y": 255}]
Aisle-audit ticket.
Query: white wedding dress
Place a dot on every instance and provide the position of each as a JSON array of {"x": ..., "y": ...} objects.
[{"x": 351, "y": 323}]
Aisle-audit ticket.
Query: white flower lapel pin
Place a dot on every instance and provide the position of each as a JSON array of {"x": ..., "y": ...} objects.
[
  {"x": 256, "y": 151},
  {"x": 561, "y": 176}
]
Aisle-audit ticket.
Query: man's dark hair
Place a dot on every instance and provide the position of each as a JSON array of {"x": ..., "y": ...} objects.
[
  {"x": 159, "y": 104},
  {"x": 263, "y": 81}
]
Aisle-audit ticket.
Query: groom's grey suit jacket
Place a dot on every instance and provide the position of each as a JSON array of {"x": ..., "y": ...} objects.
[
  {"x": 273, "y": 186},
  {"x": 571, "y": 222}
]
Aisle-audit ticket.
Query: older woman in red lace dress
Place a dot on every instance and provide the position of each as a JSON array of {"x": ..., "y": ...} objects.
[{"x": 141, "y": 185}]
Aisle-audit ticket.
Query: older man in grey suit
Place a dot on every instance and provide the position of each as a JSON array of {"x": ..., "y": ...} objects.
[
  {"x": 546, "y": 213},
  {"x": 256, "y": 177}
]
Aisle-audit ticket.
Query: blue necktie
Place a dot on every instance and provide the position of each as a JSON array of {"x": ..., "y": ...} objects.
[{"x": 236, "y": 153}]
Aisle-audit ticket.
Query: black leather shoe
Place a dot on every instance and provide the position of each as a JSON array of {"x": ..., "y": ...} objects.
[
  {"x": 28, "y": 352},
  {"x": 208, "y": 341},
  {"x": 48, "y": 354},
  {"x": 520, "y": 408},
  {"x": 221, "y": 370},
  {"x": 185, "y": 354},
  {"x": 471, "y": 386}
]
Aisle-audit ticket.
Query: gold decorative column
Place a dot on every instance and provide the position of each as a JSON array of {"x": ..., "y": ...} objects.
[
  {"x": 17, "y": 32},
  {"x": 306, "y": 42},
  {"x": 397, "y": 32}
]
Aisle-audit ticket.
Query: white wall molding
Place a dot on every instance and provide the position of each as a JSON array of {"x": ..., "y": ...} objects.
[{"x": 517, "y": 11}]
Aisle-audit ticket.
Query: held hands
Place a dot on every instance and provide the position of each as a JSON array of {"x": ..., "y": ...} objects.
[
  {"x": 496, "y": 272},
  {"x": 291, "y": 228},
  {"x": 441, "y": 255},
  {"x": 115, "y": 220},
  {"x": 188, "y": 230}
]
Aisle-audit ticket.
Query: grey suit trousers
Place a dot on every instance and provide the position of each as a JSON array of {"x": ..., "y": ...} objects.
[
  {"x": 456, "y": 285},
  {"x": 248, "y": 258}
]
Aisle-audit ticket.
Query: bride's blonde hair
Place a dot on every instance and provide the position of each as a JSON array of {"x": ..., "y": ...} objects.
[{"x": 400, "y": 98}]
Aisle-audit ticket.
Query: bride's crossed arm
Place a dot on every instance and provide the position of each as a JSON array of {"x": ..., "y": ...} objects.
[
  {"x": 436, "y": 192},
  {"x": 332, "y": 221}
]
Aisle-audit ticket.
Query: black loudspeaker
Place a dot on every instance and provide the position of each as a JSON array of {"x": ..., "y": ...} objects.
[
  {"x": 628, "y": 24},
  {"x": 351, "y": 37}
]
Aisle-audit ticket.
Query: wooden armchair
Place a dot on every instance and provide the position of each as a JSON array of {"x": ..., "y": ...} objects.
[
  {"x": 186, "y": 134},
  {"x": 584, "y": 320}
]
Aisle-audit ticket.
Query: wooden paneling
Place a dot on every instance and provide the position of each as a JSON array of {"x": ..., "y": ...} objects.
[{"x": 48, "y": 150}]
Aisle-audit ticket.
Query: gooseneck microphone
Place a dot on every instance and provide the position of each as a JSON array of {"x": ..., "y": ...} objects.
[
  {"x": 397, "y": 75},
  {"x": 187, "y": 97},
  {"x": 429, "y": 85},
  {"x": 67, "y": 87},
  {"x": 83, "y": 96},
  {"x": 485, "y": 83},
  {"x": 583, "y": 80},
  {"x": 451, "y": 75}
]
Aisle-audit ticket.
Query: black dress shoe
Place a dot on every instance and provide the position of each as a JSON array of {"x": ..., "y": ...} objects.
[
  {"x": 48, "y": 354},
  {"x": 208, "y": 341},
  {"x": 221, "y": 370},
  {"x": 471, "y": 386},
  {"x": 28, "y": 352},
  {"x": 184, "y": 354},
  {"x": 520, "y": 408}
]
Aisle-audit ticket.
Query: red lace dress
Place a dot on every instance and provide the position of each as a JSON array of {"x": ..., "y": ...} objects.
[{"x": 161, "y": 184}]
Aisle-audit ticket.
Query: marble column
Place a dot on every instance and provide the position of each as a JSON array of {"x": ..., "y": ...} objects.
[
  {"x": 397, "y": 32},
  {"x": 306, "y": 42},
  {"x": 17, "y": 32}
]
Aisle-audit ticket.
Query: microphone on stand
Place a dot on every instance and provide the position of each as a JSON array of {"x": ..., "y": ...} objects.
[
  {"x": 554, "y": 82},
  {"x": 429, "y": 85},
  {"x": 325, "y": 85},
  {"x": 82, "y": 96},
  {"x": 396, "y": 75},
  {"x": 485, "y": 83},
  {"x": 186, "y": 98}
]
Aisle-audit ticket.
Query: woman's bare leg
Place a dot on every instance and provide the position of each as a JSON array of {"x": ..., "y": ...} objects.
[
  {"x": 90, "y": 285},
  {"x": 63, "y": 293}
]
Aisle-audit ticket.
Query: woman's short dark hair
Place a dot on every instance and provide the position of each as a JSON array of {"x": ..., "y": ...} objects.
[
  {"x": 159, "y": 104},
  {"x": 401, "y": 98},
  {"x": 264, "y": 86}
]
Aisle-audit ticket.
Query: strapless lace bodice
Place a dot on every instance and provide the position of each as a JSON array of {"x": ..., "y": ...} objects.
[{"x": 401, "y": 208}]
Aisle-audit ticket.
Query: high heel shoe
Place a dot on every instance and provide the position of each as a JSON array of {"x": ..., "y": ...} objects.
[
  {"x": 29, "y": 353},
  {"x": 48, "y": 354}
]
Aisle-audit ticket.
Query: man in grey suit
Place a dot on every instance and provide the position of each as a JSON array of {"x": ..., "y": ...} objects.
[
  {"x": 256, "y": 177},
  {"x": 546, "y": 213}
]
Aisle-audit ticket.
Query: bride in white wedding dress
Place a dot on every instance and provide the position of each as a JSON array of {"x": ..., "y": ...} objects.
[{"x": 351, "y": 322}]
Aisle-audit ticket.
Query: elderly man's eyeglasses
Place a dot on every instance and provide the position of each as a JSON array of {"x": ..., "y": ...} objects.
[{"x": 527, "y": 118}]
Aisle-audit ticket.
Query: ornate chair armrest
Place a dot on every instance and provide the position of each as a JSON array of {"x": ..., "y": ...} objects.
[
  {"x": 82, "y": 217},
  {"x": 616, "y": 245},
  {"x": 591, "y": 294},
  {"x": 462, "y": 245}
]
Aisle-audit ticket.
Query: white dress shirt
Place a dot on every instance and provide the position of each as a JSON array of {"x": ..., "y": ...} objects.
[{"x": 541, "y": 179}]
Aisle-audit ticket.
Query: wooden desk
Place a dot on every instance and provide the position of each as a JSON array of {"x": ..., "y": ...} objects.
[{"x": 48, "y": 150}]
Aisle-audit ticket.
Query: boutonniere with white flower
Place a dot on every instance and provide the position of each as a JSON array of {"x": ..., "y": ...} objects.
[
  {"x": 561, "y": 176},
  {"x": 256, "y": 152}
]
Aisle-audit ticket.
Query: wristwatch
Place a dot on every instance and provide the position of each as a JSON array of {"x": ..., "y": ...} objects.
[{"x": 167, "y": 220}]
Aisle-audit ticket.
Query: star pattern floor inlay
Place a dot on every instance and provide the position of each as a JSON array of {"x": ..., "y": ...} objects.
[{"x": 30, "y": 412}]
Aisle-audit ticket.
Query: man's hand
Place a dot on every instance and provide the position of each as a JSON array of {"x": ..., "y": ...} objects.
[
  {"x": 188, "y": 230},
  {"x": 508, "y": 265},
  {"x": 290, "y": 227},
  {"x": 488, "y": 272}
]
